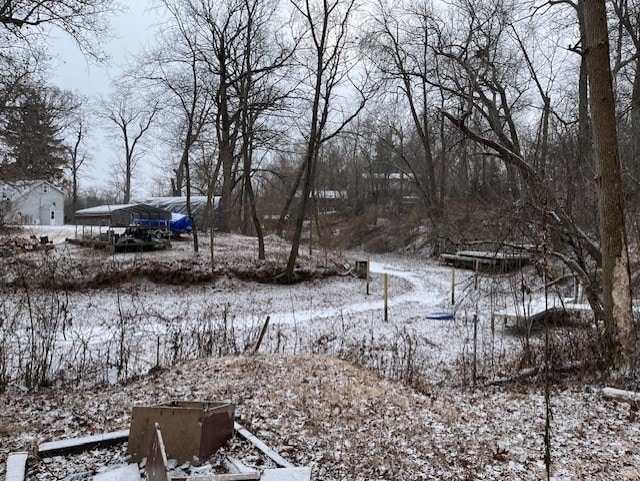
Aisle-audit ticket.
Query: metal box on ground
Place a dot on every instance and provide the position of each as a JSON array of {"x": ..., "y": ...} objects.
[
  {"x": 361, "y": 269},
  {"x": 189, "y": 428}
]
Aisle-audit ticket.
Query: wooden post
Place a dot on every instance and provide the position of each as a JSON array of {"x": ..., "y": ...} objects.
[
  {"x": 262, "y": 332},
  {"x": 475, "y": 347},
  {"x": 386, "y": 300},
  {"x": 310, "y": 236},
  {"x": 158, "y": 351},
  {"x": 368, "y": 273},
  {"x": 453, "y": 286},
  {"x": 475, "y": 283},
  {"x": 211, "y": 245}
]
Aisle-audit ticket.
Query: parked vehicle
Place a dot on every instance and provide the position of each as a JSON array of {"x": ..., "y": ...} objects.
[{"x": 179, "y": 224}]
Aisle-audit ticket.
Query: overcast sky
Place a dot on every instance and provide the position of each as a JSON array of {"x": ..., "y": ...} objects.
[{"x": 71, "y": 70}]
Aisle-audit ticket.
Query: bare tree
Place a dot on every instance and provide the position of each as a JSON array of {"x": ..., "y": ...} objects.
[
  {"x": 78, "y": 154},
  {"x": 491, "y": 99},
  {"x": 130, "y": 118},
  {"x": 400, "y": 46},
  {"x": 619, "y": 322},
  {"x": 220, "y": 25},
  {"x": 176, "y": 67},
  {"x": 265, "y": 61},
  {"x": 86, "y": 21},
  {"x": 326, "y": 27}
]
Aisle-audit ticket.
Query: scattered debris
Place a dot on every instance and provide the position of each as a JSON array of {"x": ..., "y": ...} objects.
[
  {"x": 193, "y": 432},
  {"x": 10, "y": 246}
]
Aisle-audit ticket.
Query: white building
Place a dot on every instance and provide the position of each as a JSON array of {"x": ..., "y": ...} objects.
[{"x": 35, "y": 202}]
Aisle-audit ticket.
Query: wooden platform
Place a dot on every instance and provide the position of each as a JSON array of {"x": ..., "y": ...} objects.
[
  {"x": 539, "y": 308},
  {"x": 487, "y": 260}
]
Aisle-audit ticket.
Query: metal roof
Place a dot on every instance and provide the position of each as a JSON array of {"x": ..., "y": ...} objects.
[{"x": 137, "y": 211}]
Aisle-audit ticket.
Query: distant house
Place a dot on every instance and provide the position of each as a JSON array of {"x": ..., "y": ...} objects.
[{"x": 35, "y": 202}]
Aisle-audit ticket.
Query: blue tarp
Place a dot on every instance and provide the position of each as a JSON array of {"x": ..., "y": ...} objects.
[{"x": 180, "y": 224}]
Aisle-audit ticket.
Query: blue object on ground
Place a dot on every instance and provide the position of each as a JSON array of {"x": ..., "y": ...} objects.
[{"x": 440, "y": 315}]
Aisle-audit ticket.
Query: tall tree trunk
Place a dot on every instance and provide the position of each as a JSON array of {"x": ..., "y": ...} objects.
[
  {"x": 585, "y": 163},
  {"x": 635, "y": 122},
  {"x": 177, "y": 183},
  {"x": 127, "y": 179},
  {"x": 619, "y": 323},
  {"x": 194, "y": 226},
  {"x": 289, "y": 200},
  {"x": 251, "y": 209}
]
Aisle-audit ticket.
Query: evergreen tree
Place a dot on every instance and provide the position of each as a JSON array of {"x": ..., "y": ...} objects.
[{"x": 32, "y": 135}]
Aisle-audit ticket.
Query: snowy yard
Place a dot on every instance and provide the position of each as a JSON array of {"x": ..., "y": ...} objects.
[{"x": 344, "y": 421}]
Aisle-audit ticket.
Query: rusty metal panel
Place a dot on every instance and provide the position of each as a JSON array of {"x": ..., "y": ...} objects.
[{"x": 189, "y": 428}]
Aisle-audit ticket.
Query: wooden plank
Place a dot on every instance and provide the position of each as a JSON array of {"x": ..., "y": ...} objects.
[
  {"x": 234, "y": 465},
  {"x": 124, "y": 473},
  {"x": 512, "y": 256},
  {"x": 157, "y": 460},
  {"x": 16, "y": 466},
  {"x": 287, "y": 474},
  {"x": 78, "y": 445},
  {"x": 253, "y": 476},
  {"x": 270, "y": 453},
  {"x": 533, "y": 310},
  {"x": 486, "y": 260},
  {"x": 620, "y": 395}
]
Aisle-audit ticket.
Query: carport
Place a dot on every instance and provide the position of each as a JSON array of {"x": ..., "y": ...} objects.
[{"x": 115, "y": 215}]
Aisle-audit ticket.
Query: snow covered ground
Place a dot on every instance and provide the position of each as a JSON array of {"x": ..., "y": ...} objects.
[{"x": 340, "y": 419}]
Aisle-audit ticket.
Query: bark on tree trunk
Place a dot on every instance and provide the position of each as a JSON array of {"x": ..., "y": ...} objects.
[{"x": 619, "y": 324}]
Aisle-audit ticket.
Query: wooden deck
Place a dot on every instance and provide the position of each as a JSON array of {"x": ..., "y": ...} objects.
[
  {"x": 538, "y": 309},
  {"x": 487, "y": 260}
]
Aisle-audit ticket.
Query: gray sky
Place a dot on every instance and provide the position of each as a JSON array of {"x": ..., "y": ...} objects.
[{"x": 71, "y": 70}]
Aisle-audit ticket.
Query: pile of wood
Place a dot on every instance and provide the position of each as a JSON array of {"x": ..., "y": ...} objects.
[{"x": 10, "y": 246}]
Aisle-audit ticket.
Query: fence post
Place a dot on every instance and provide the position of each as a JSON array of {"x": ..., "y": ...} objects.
[
  {"x": 386, "y": 301},
  {"x": 453, "y": 286}
]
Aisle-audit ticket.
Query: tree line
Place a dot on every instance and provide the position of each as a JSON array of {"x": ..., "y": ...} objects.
[{"x": 523, "y": 117}]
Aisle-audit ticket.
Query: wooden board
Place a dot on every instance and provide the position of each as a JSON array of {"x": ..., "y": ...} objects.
[
  {"x": 270, "y": 453},
  {"x": 78, "y": 445},
  {"x": 287, "y": 474},
  {"x": 538, "y": 308},
  {"x": 491, "y": 261},
  {"x": 620, "y": 395},
  {"x": 16, "y": 466},
  {"x": 234, "y": 465},
  {"x": 157, "y": 459},
  {"x": 125, "y": 473},
  {"x": 254, "y": 476}
]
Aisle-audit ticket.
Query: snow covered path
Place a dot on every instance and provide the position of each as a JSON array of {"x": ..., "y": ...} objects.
[{"x": 428, "y": 288}]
